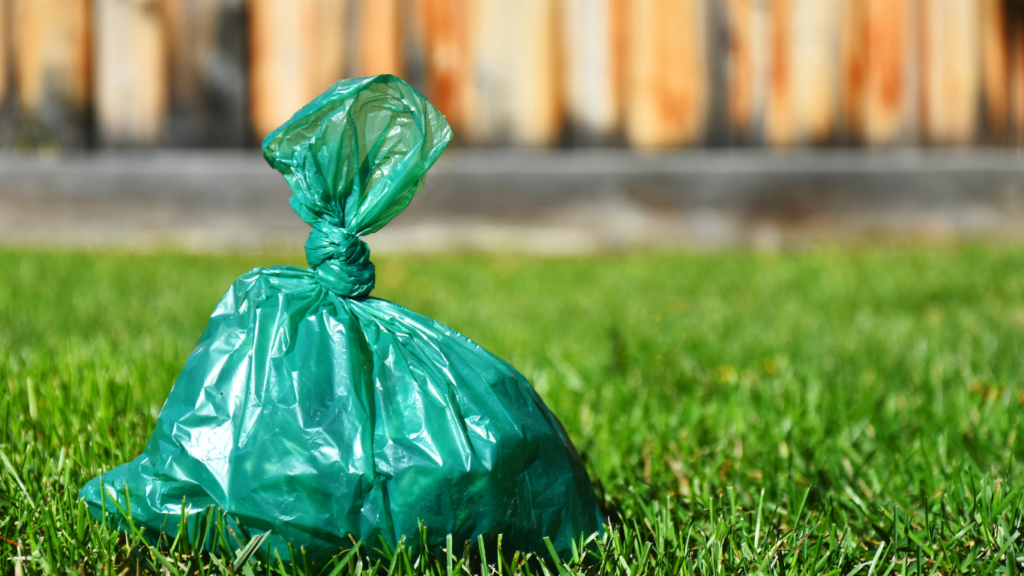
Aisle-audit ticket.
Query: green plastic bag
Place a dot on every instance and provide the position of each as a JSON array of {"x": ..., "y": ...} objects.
[{"x": 324, "y": 416}]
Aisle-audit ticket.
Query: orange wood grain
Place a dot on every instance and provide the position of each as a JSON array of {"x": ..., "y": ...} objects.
[
  {"x": 780, "y": 125},
  {"x": 445, "y": 26},
  {"x": 380, "y": 38},
  {"x": 5, "y": 48},
  {"x": 996, "y": 67},
  {"x": 486, "y": 91},
  {"x": 803, "y": 61},
  {"x": 51, "y": 46},
  {"x": 535, "y": 99},
  {"x": 950, "y": 70},
  {"x": 887, "y": 44},
  {"x": 877, "y": 54},
  {"x": 505, "y": 84},
  {"x": 667, "y": 87},
  {"x": 296, "y": 50}
]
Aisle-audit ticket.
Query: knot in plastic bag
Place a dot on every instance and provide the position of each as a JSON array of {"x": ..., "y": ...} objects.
[{"x": 340, "y": 260}]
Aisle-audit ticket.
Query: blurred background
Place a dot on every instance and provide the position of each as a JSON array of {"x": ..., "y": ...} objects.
[
  {"x": 899, "y": 117},
  {"x": 640, "y": 73}
]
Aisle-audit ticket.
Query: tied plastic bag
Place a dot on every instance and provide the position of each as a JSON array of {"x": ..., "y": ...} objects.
[{"x": 321, "y": 415}]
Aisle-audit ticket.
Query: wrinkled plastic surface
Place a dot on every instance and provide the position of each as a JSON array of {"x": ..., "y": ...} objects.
[{"x": 325, "y": 416}]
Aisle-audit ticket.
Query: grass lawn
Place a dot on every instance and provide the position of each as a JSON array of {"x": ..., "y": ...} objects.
[{"x": 830, "y": 412}]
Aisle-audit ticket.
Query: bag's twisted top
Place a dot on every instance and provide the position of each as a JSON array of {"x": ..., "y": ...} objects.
[{"x": 354, "y": 158}]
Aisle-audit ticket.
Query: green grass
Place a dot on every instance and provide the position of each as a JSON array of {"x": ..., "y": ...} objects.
[{"x": 832, "y": 412}]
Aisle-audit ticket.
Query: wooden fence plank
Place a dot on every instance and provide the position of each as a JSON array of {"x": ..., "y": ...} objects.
[
  {"x": 534, "y": 89},
  {"x": 131, "y": 74},
  {"x": 854, "y": 33},
  {"x": 746, "y": 23},
  {"x": 325, "y": 31},
  {"x": 52, "y": 68},
  {"x": 949, "y": 70},
  {"x": 482, "y": 93},
  {"x": 486, "y": 93},
  {"x": 296, "y": 50},
  {"x": 201, "y": 72},
  {"x": 594, "y": 52},
  {"x": 208, "y": 75},
  {"x": 5, "y": 49},
  {"x": 666, "y": 90},
  {"x": 780, "y": 125},
  {"x": 803, "y": 58},
  {"x": 876, "y": 86},
  {"x": 996, "y": 68},
  {"x": 511, "y": 90},
  {"x": 1013, "y": 12},
  {"x": 815, "y": 64},
  {"x": 502, "y": 65},
  {"x": 445, "y": 26},
  {"x": 888, "y": 88},
  {"x": 380, "y": 38}
]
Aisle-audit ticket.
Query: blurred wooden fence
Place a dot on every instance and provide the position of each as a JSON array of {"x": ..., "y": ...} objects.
[{"x": 645, "y": 73}]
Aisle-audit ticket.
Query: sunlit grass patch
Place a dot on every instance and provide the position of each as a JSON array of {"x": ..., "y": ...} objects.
[{"x": 823, "y": 412}]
